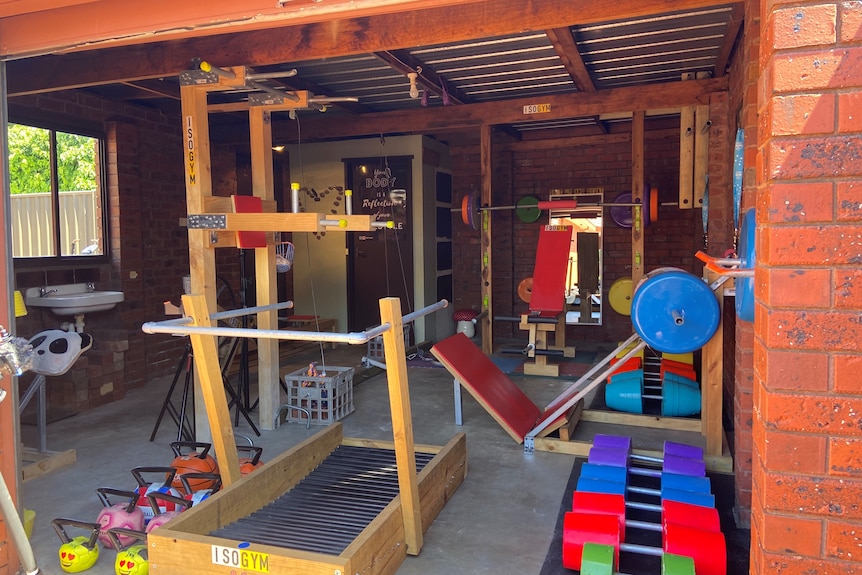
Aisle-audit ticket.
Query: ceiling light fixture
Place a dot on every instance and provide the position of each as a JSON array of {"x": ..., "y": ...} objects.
[{"x": 414, "y": 90}]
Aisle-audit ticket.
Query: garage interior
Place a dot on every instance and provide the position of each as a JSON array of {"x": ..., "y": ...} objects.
[{"x": 452, "y": 123}]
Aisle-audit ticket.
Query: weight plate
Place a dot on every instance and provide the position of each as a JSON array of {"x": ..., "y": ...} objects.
[
  {"x": 465, "y": 210},
  {"x": 473, "y": 214},
  {"x": 745, "y": 285},
  {"x": 674, "y": 311},
  {"x": 620, "y": 296},
  {"x": 525, "y": 289},
  {"x": 622, "y": 215},
  {"x": 647, "y": 202},
  {"x": 528, "y": 209},
  {"x": 653, "y": 205}
]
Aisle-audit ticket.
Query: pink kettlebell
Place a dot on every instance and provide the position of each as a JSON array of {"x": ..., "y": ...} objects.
[{"x": 126, "y": 515}]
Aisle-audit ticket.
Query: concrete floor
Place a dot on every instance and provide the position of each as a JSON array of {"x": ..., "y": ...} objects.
[{"x": 500, "y": 521}]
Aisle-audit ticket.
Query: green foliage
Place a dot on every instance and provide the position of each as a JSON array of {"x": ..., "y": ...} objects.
[{"x": 30, "y": 160}]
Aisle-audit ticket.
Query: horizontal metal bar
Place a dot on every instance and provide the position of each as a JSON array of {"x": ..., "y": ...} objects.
[
  {"x": 251, "y": 310},
  {"x": 180, "y": 327}
]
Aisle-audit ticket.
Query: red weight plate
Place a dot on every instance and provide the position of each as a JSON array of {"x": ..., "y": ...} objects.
[
  {"x": 690, "y": 515},
  {"x": 707, "y": 548},
  {"x": 653, "y": 205},
  {"x": 580, "y": 528},
  {"x": 603, "y": 503}
]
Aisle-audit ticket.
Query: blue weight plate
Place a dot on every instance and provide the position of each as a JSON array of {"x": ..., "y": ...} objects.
[
  {"x": 745, "y": 285},
  {"x": 674, "y": 311}
]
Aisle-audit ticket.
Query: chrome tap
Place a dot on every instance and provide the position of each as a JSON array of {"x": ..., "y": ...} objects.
[
  {"x": 43, "y": 291},
  {"x": 91, "y": 287}
]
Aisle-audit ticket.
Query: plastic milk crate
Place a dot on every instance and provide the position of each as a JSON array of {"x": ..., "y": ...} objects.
[
  {"x": 328, "y": 397},
  {"x": 375, "y": 344}
]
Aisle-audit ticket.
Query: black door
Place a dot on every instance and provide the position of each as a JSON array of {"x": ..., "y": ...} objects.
[{"x": 380, "y": 262}]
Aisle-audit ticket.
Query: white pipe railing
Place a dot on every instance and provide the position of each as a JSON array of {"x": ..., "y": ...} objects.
[{"x": 181, "y": 326}]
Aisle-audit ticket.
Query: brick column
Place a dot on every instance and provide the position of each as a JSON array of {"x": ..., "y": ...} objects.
[
  {"x": 743, "y": 349},
  {"x": 806, "y": 513}
]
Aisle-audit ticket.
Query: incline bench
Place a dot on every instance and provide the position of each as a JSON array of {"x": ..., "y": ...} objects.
[{"x": 495, "y": 392}]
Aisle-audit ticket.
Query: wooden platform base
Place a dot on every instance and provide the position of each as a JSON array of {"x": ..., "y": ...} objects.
[
  {"x": 37, "y": 463},
  {"x": 184, "y": 545}
]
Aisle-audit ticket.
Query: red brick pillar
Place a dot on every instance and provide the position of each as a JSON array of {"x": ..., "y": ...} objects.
[
  {"x": 806, "y": 512},
  {"x": 744, "y": 347}
]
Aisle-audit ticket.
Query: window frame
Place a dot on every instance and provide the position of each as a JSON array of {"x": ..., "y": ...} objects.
[{"x": 54, "y": 125}]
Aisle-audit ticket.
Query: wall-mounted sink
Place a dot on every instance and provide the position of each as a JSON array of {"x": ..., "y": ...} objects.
[{"x": 72, "y": 299}]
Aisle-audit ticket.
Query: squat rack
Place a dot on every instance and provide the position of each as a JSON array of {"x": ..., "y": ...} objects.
[{"x": 210, "y": 221}]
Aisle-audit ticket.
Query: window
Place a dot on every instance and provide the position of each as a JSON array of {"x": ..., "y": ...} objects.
[{"x": 57, "y": 193}]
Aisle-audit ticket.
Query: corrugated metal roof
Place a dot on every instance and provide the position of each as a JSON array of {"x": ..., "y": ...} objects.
[
  {"x": 631, "y": 52},
  {"x": 654, "y": 49}
]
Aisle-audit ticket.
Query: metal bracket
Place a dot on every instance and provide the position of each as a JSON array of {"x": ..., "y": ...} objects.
[
  {"x": 265, "y": 99},
  {"x": 529, "y": 445},
  {"x": 207, "y": 222},
  {"x": 197, "y": 78}
]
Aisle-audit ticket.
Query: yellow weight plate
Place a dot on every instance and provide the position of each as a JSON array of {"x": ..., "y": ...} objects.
[{"x": 620, "y": 296}]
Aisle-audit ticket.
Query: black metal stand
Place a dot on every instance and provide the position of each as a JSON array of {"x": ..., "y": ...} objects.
[
  {"x": 185, "y": 426},
  {"x": 183, "y": 417},
  {"x": 236, "y": 395},
  {"x": 243, "y": 403}
]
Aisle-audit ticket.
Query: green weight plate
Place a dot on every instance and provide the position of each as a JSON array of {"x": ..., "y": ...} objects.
[
  {"x": 597, "y": 559},
  {"x": 528, "y": 209},
  {"x": 676, "y": 565}
]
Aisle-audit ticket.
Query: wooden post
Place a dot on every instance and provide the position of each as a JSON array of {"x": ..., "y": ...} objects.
[
  {"x": 402, "y": 422},
  {"x": 208, "y": 372},
  {"x": 686, "y": 153},
  {"x": 485, "y": 236},
  {"x": 198, "y": 171},
  {"x": 260, "y": 128},
  {"x": 637, "y": 196},
  {"x": 701, "y": 149},
  {"x": 712, "y": 375}
]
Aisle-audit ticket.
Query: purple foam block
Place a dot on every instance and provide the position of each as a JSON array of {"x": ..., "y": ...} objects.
[
  {"x": 683, "y": 450},
  {"x": 684, "y": 466},
  {"x": 615, "y": 441},
  {"x": 609, "y": 456}
]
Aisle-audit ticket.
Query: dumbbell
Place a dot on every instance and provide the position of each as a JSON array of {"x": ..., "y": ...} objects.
[
  {"x": 606, "y": 479},
  {"x": 670, "y": 511},
  {"x": 620, "y": 457},
  {"x": 672, "y": 451},
  {"x": 706, "y": 548},
  {"x": 598, "y": 559},
  {"x": 679, "y": 396}
]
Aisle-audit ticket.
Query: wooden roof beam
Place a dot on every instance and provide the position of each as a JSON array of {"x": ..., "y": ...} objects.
[
  {"x": 427, "y": 78},
  {"x": 563, "y": 106},
  {"x": 313, "y": 41}
]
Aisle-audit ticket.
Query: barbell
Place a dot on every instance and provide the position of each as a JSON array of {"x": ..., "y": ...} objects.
[{"x": 624, "y": 211}]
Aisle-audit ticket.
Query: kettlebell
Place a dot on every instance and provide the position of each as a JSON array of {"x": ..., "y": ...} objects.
[
  {"x": 126, "y": 514},
  {"x": 79, "y": 553}
]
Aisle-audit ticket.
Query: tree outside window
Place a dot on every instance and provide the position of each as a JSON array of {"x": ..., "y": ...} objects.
[{"x": 56, "y": 189}]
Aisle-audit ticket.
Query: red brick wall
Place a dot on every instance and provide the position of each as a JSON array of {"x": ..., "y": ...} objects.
[
  {"x": 148, "y": 254},
  {"x": 807, "y": 448}
]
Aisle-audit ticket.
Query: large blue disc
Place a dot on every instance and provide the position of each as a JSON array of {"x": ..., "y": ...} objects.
[
  {"x": 674, "y": 311},
  {"x": 745, "y": 285}
]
